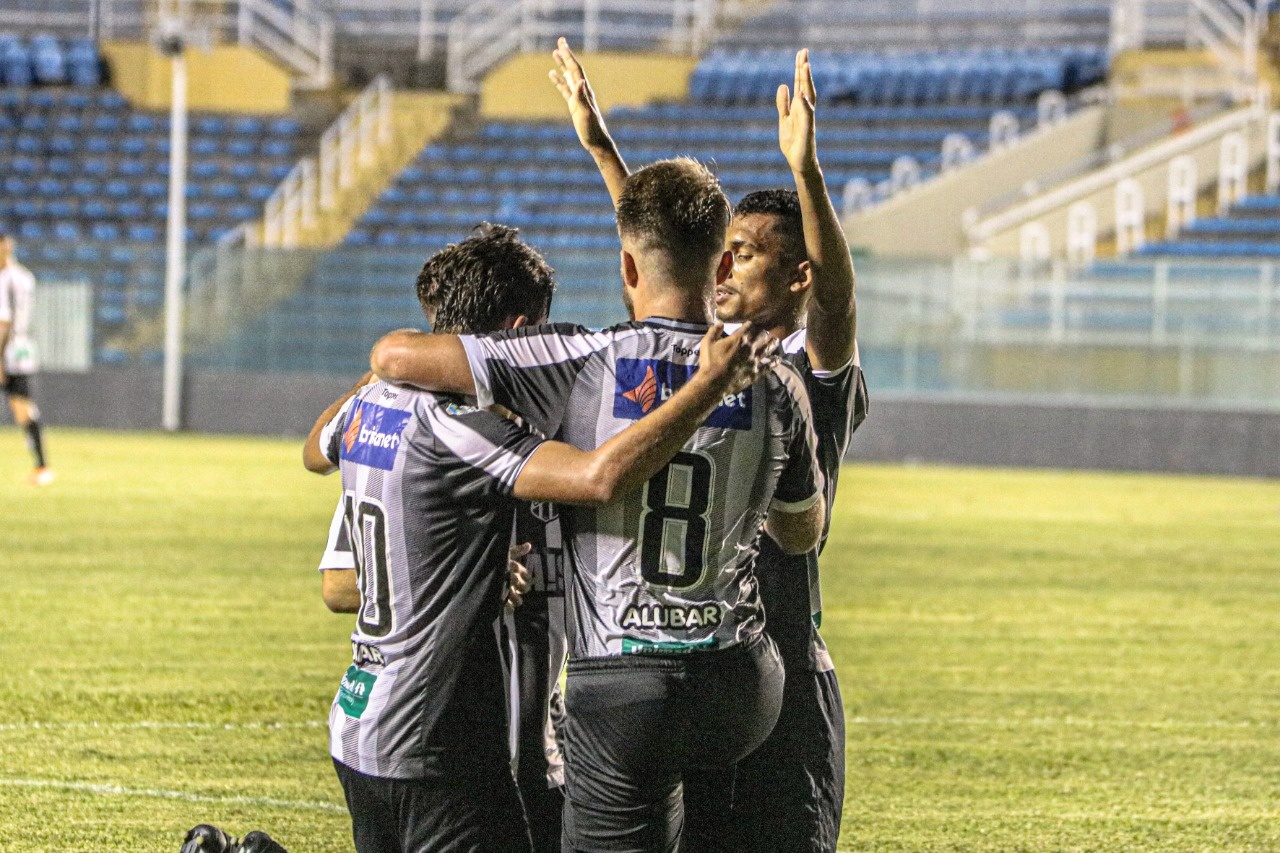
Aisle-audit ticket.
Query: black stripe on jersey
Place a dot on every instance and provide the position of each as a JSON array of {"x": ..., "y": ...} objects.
[
  {"x": 800, "y": 480},
  {"x": 483, "y": 440}
]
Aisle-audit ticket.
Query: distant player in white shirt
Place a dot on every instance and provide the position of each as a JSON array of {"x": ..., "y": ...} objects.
[{"x": 17, "y": 288}]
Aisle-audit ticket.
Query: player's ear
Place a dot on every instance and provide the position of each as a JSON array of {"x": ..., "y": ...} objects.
[
  {"x": 630, "y": 272},
  {"x": 515, "y": 322},
  {"x": 803, "y": 279},
  {"x": 724, "y": 267}
]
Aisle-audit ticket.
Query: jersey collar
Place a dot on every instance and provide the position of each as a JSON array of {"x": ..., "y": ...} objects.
[{"x": 676, "y": 325}]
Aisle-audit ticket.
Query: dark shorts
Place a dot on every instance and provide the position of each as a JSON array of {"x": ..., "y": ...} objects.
[
  {"x": 789, "y": 793},
  {"x": 543, "y": 802},
  {"x": 476, "y": 810},
  {"x": 17, "y": 385},
  {"x": 637, "y": 725}
]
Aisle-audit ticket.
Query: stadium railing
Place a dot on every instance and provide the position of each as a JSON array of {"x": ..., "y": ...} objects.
[
  {"x": 491, "y": 30},
  {"x": 352, "y": 144},
  {"x": 1118, "y": 196},
  {"x": 1165, "y": 333},
  {"x": 294, "y": 33},
  {"x": 1230, "y": 29}
]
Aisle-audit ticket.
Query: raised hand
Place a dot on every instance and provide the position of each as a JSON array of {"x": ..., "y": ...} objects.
[
  {"x": 571, "y": 81},
  {"x": 736, "y": 361},
  {"x": 795, "y": 118}
]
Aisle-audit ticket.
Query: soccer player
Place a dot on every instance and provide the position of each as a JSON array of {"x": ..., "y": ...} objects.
[
  {"x": 17, "y": 287},
  {"x": 792, "y": 274},
  {"x": 418, "y": 728},
  {"x": 669, "y": 667}
]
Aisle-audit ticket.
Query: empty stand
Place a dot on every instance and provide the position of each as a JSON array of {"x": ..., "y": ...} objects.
[
  {"x": 45, "y": 60},
  {"x": 1250, "y": 229},
  {"x": 85, "y": 188}
]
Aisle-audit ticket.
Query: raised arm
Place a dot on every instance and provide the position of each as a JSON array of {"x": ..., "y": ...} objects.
[
  {"x": 314, "y": 458},
  {"x": 571, "y": 80},
  {"x": 433, "y": 362},
  {"x": 832, "y": 312},
  {"x": 561, "y": 472}
]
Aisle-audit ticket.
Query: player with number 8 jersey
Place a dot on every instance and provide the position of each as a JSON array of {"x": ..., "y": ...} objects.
[{"x": 668, "y": 569}]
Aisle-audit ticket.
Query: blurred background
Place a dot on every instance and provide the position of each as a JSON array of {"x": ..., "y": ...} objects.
[{"x": 1064, "y": 215}]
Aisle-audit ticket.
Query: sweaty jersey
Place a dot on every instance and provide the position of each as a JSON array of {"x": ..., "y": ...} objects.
[
  {"x": 427, "y": 483},
  {"x": 666, "y": 568},
  {"x": 789, "y": 584},
  {"x": 17, "y": 292}
]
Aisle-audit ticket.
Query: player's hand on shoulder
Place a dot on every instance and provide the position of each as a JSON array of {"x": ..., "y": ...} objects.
[
  {"x": 519, "y": 581},
  {"x": 734, "y": 362},
  {"x": 570, "y": 79}
]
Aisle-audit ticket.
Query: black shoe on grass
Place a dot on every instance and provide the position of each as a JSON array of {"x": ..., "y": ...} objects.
[
  {"x": 205, "y": 838},
  {"x": 259, "y": 842}
]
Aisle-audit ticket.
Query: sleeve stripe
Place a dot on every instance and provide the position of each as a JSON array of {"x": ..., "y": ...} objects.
[
  {"x": 793, "y": 507},
  {"x": 479, "y": 370},
  {"x": 480, "y": 451}
]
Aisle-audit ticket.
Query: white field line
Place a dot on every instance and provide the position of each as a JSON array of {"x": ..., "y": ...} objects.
[
  {"x": 156, "y": 725},
  {"x": 992, "y": 722},
  {"x": 104, "y": 790},
  {"x": 1059, "y": 722}
]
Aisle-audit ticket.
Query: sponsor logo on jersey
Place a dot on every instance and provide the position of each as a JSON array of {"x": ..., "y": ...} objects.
[
  {"x": 353, "y": 694},
  {"x": 670, "y": 616},
  {"x": 364, "y": 654},
  {"x": 373, "y": 435},
  {"x": 643, "y": 384}
]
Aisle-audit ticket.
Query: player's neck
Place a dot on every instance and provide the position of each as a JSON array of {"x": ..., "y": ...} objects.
[
  {"x": 692, "y": 311},
  {"x": 671, "y": 300}
]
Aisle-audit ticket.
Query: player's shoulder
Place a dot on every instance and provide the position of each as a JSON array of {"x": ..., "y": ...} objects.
[{"x": 787, "y": 384}]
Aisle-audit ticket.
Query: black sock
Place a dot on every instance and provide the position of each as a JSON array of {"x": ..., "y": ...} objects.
[{"x": 34, "y": 444}]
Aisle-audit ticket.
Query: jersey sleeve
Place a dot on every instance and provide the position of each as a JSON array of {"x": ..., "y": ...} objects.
[
  {"x": 800, "y": 484},
  {"x": 531, "y": 370},
  {"x": 337, "y": 549},
  {"x": 494, "y": 449},
  {"x": 331, "y": 433}
]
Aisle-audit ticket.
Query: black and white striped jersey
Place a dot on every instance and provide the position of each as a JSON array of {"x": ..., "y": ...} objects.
[
  {"x": 789, "y": 584},
  {"x": 427, "y": 483},
  {"x": 667, "y": 568},
  {"x": 17, "y": 294}
]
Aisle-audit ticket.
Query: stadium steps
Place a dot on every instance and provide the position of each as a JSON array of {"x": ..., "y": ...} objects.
[{"x": 417, "y": 118}]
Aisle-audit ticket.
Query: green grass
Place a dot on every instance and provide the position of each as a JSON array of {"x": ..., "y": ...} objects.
[{"x": 1030, "y": 661}]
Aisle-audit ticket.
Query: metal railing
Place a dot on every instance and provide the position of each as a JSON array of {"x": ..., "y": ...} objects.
[
  {"x": 490, "y": 31},
  {"x": 1230, "y": 29},
  {"x": 1076, "y": 189},
  {"x": 297, "y": 35},
  {"x": 352, "y": 144},
  {"x": 1004, "y": 132}
]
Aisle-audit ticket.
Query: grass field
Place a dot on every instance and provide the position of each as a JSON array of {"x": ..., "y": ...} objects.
[{"x": 1030, "y": 660}]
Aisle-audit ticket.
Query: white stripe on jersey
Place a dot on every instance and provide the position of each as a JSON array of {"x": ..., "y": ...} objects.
[
  {"x": 475, "y": 449},
  {"x": 337, "y": 549},
  {"x": 796, "y": 506},
  {"x": 543, "y": 350}
]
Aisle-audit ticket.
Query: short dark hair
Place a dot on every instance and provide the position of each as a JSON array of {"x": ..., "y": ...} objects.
[
  {"x": 675, "y": 206},
  {"x": 490, "y": 276},
  {"x": 784, "y": 205}
]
